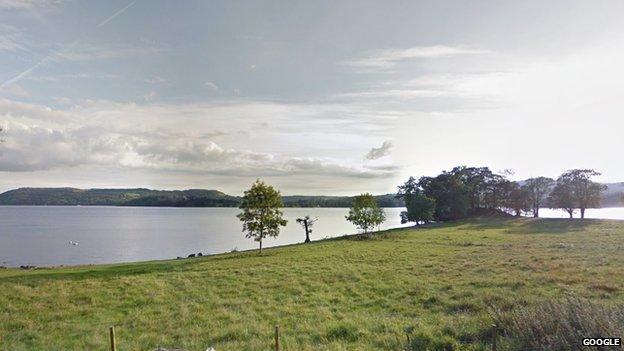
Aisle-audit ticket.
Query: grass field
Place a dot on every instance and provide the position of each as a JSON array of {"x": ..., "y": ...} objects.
[{"x": 341, "y": 294}]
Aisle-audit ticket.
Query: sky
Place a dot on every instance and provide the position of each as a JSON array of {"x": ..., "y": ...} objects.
[{"x": 314, "y": 97}]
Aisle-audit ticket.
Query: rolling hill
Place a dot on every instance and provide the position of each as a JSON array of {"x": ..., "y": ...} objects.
[{"x": 162, "y": 198}]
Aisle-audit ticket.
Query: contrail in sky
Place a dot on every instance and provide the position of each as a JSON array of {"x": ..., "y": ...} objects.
[
  {"x": 116, "y": 14},
  {"x": 50, "y": 56},
  {"x": 26, "y": 72}
]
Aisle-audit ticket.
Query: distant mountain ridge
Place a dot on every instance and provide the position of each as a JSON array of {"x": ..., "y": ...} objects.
[
  {"x": 614, "y": 195},
  {"x": 162, "y": 198}
]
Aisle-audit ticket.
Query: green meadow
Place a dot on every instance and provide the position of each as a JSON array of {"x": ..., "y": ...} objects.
[{"x": 351, "y": 293}]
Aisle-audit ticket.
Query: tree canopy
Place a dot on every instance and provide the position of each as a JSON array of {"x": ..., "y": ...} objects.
[
  {"x": 562, "y": 197},
  {"x": 365, "y": 214},
  {"x": 538, "y": 189},
  {"x": 419, "y": 207},
  {"x": 580, "y": 189},
  {"x": 261, "y": 214},
  {"x": 473, "y": 191}
]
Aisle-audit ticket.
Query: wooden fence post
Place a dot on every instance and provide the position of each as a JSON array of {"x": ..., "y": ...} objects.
[
  {"x": 112, "y": 339},
  {"x": 494, "y": 337},
  {"x": 408, "y": 330},
  {"x": 277, "y": 346}
]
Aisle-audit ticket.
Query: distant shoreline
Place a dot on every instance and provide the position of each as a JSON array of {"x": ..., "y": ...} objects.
[
  {"x": 140, "y": 197},
  {"x": 197, "y": 198},
  {"x": 147, "y": 206}
]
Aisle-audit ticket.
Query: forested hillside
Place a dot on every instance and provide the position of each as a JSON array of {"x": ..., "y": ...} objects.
[{"x": 162, "y": 198}]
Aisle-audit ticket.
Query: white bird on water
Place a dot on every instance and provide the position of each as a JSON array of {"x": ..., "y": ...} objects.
[{"x": 75, "y": 243}]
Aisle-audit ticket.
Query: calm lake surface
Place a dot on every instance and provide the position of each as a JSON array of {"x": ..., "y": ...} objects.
[
  {"x": 598, "y": 213},
  {"x": 41, "y": 235}
]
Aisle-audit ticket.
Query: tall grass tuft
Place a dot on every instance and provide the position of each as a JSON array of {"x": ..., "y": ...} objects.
[{"x": 560, "y": 325}]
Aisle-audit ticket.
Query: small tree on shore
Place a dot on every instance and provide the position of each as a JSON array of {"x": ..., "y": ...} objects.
[
  {"x": 518, "y": 200},
  {"x": 537, "y": 188},
  {"x": 562, "y": 197},
  {"x": 419, "y": 207},
  {"x": 307, "y": 223},
  {"x": 585, "y": 192},
  {"x": 261, "y": 214},
  {"x": 365, "y": 213}
]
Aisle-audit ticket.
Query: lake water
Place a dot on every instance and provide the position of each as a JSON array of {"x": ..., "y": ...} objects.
[
  {"x": 41, "y": 235},
  {"x": 598, "y": 213}
]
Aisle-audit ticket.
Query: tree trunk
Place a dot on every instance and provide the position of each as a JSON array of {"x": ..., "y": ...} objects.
[
  {"x": 307, "y": 240},
  {"x": 260, "y": 252},
  {"x": 582, "y": 212},
  {"x": 571, "y": 212},
  {"x": 535, "y": 212}
]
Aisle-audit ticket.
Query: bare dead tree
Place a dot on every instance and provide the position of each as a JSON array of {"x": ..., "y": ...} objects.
[{"x": 307, "y": 223}]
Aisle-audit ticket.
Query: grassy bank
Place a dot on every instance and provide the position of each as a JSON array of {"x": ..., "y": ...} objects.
[{"x": 341, "y": 294}]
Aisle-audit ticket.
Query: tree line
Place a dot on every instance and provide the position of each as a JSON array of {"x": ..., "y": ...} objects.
[
  {"x": 470, "y": 191},
  {"x": 262, "y": 216},
  {"x": 451, "y": 195}
]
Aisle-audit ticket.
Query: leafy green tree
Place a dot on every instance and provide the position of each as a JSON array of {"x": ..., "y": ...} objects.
[
  {"x": 261, "y": 214},
  {"x": 410, "y": 187},
  {"x": 365, "y": 214},
  {"x": 517, "y": 200},
  {"x": 307, "y": 223},
  {"x": 477, "y": 182},
  {"x": 537, "y": 189},
  {"x": 497, "y": 192},
  {"x": 585, "y": 192},
  {"x": 450, "y": 193},
  {"x": 562, "y": 196},
  {"x": 420, "y": 208}
]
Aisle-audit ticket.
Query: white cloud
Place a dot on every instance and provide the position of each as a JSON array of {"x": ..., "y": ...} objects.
[
  {"x": 32, "y": 148},
  {"x": 156, "y": 80},
  {"x": 385, "y": 59},
  {"x": 395, "y": 93},
  {"x": 11, "y": 38},
  {"x": 212, "y": 87},
  {"x": 378, "y": 152},
  {"x": 71, "y": 76},
  {"x": 14, "y": 90},
  {"x": 17, "y": 4},
  {"x": 10, "y": 109},
  {"x": 63, "y": 100},
  {"x": 177, "y": 138},
  {"x": 10, "y": 42},
  {"x": 149, "y": 96},
  {"x": 26, "y": 4},
  {"x": 82, "y": 52},
  {"x": 36, "y": 148},
  {"x": 78, "y": 52}
]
